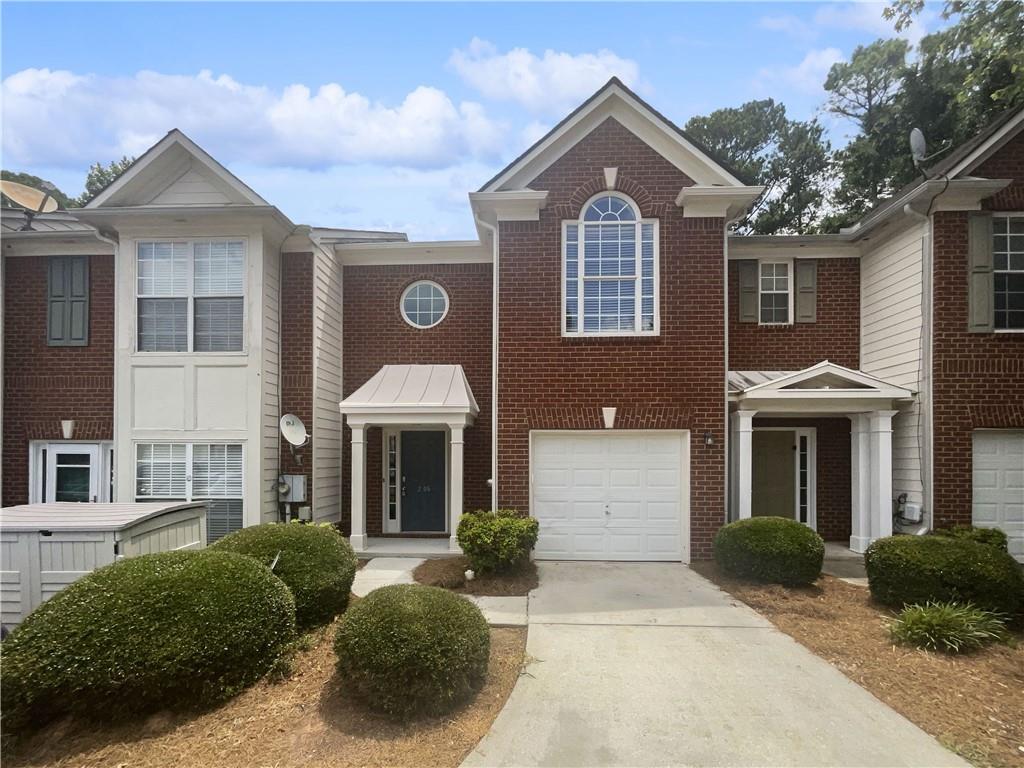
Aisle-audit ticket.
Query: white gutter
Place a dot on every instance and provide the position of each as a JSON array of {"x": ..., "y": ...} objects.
[{"x": 493, "y": 229}]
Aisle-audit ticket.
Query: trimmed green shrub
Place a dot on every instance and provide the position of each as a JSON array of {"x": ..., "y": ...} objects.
[
  {"x": 947, "y": 627},
  {"x": 496, "y": 541},
  {"x": 778, "y": 550},
  {"x": 315, "y": 561},
  {"x": 408, "y": 649},
  {"x": 908, "y": 570},
  {"x": 175, "y": 630},
  {"x": 994, "y": 537}
]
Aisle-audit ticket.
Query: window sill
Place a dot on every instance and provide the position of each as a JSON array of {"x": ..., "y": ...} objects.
[
  {"x": 611, "y": 335},
  {"x": 138, "y": 353},
  {"x": 1008, "y": 330}
]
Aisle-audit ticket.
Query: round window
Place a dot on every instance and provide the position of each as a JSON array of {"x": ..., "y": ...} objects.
[{"x": 424, "y": 304}]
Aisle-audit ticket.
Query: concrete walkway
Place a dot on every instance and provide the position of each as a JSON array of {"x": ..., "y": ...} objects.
[
  {"x": 383, "y": 571},
  {"x": 650, "y": 664}
]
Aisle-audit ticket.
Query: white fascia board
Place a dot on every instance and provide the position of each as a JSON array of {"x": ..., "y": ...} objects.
[
  {"x": 159, "y": 215},
  {"x": 651, "y": 128},
  {"x": 990, "y": 146},
  {"x": 439, "y": 252},
  {"x": 717, "y": 202},
  {"x": 58, "y": 244},
  {"x": 512, "y": 205},
  {"x": 792, "y": 246},
  {"x": 774, "y": 387},
  {"x": 176, "y": 137}
]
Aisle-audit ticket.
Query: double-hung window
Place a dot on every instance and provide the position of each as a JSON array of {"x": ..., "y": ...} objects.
[
  {"x": 191, "y": 295},
  {"x": 774, "y": 292},
  {"x": 210, "y": 472},
  {"x": 1008, "y": 271},
  {"x": 611, "y": 270}
]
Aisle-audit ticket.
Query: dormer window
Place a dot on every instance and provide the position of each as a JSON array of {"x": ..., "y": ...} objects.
[{"x": 610, "y": 270}]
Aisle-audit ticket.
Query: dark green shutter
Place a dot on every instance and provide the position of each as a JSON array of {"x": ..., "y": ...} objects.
[
  {"x": 806, "y": 283},
  {"x": 747, "y": 309},
  {"x": 980, "y": 287},
  {"x": 67, "y": 306}
]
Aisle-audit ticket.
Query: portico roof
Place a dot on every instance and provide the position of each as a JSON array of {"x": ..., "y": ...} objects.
[
  {"x": 825, "y": 380},
  {"x": 420, "y": 390}
]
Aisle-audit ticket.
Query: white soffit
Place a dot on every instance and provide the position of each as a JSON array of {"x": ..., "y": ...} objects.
[
  {"x": 824, "y": 379},
  {"x": 172, "y": 167},
  {"x": 616, "y": 101},
  {"x": 440, "y": 252},
  {"x": 397, "y": 389}
]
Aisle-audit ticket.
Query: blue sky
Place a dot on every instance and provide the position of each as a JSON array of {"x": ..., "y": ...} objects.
[{"x": 385, "y": 115}]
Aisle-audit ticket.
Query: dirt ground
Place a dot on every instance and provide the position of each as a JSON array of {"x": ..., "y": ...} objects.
[
  {"x": 303, "y": 721},
  {"x": 450, "y": 572},
  {"x": 973, "y": 703}
]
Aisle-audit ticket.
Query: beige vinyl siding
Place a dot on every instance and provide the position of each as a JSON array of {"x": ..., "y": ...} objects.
[
  {"x": 270, "y": 413},
  {"x": 327, "y": 427},
  {"x": 891, "y": 343}
]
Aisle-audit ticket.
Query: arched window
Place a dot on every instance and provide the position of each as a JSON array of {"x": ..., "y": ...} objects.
[{"x": 611, "y": 269}]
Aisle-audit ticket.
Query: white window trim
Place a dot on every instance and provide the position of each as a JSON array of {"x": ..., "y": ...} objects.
[
  {"x": 36, "y": 466},
  {"x": 580, "y": 333},
  {"x": 409, "y": 287},
  {"x": 188, "y": 468},
  {"x": 789, "y": 289},
  {"x": 190, "y": 319},
  {"x": 1004, "y": 214}
]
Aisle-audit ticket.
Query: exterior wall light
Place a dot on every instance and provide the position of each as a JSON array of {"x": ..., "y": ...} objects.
[{"x": 709, "y": 439}]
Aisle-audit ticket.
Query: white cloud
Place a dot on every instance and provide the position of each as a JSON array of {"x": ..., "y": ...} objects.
[
  {"x": 807, "y": 77},
  {"x": 859, "y": 16},
  {"x": 550, "y": 84},
  {"x": 63, "y": 118}
]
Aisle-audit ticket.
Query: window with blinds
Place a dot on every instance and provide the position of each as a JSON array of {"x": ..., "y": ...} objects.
[
  {"x": 210, "y": 472},
  {"x": 191, "y": 295}
]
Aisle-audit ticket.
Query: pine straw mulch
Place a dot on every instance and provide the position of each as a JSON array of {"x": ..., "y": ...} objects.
[
  {"x": 304, "y": 720},
  {"x": 449, "y": 573},
  {"x": 974, "y": 703}
]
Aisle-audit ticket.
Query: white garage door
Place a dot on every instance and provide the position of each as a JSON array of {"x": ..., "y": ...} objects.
[
  {"x": 999, "y": 485},
  {"x": 610, "y": 496}
]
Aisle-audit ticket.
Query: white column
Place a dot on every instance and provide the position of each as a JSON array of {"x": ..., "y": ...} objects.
[
  {"x": 358, "y": 536},
  {"x": 741, "y": 493},
  {"x": 455, "y": 485},
  {"x": 880, "y": 493},
  {"x": 860, "y": 476}
]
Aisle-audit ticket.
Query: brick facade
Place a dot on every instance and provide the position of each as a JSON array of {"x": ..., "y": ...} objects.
[
  {"x": 978, "y": 378},
  {"x": 375, "y": 334},
  {"x": 297, "y": 359},
  {"x": 44, "y": 384},
  {"x": 834, "y": 337},
  {"x": 833, "y": 471},
  {"x": 675, "y": 380}
]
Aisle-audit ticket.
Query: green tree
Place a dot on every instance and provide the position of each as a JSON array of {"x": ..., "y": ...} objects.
[
  {"x": 789, "y": 158},
  {"x": 100, "y": 176},
  {"x": 33, "y": 181}
]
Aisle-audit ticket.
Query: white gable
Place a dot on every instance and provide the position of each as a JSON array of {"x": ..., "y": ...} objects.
[
  {"x": 175, "y": 172},
  {"x": 616, "y": 101}
]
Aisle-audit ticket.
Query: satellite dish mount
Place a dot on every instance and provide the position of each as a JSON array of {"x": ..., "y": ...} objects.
[
  {"x": 919, "y": 148},
  {"x": 294, "y": 431},
  {"x": 33, "y": 201}
]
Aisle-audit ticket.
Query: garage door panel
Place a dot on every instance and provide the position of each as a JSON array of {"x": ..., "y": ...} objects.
[
  {"x": 622, "y": 496},
  {"x": 998, "y": 485}
]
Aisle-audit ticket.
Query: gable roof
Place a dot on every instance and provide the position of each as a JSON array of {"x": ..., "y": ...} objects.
[
  {"x": 175, "y": 160},
  {"x": 824, "y": 378},
  {"x": 973, "y": 152},
  {"x": 614, "y": 99}
]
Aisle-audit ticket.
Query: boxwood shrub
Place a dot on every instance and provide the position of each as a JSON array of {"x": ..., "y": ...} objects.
[
  {"x": 778, "y": 550},
  {"x": 409, "y": 649},
  {"x": 907, "y": 570},
  {"x": 994, "y": 537},
  {"x": 173, "y": 630},
  {"x": 315, "y": 561},
  {"x": 496, "y": 541}
]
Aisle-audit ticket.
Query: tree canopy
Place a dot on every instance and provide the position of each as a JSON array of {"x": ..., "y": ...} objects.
[{"x": 98, "y": 177}]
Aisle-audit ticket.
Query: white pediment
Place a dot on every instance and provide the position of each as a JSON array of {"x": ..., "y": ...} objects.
[{"x": 823, "y": 380}]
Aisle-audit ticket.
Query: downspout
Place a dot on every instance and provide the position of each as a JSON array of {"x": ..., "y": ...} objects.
[{"x": 493, "y": 229}]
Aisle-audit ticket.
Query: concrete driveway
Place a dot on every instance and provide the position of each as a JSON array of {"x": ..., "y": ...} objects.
[{"x": 650, "y": 664}]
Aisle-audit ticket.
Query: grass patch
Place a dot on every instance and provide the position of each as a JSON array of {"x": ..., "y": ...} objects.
[{"x": 449, "y": 573}]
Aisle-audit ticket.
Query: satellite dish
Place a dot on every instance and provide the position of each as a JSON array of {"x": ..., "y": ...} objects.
[
  {"x": 31, "y": 199},
  {"x": 293, "y": 430},
  {"x": 918, "y": 147}
]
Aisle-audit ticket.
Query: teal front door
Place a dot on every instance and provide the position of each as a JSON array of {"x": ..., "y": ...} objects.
[{"x": 423, "y": 482}]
